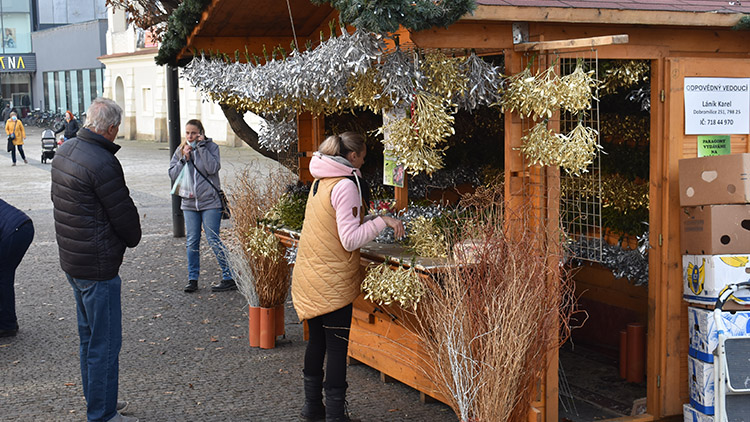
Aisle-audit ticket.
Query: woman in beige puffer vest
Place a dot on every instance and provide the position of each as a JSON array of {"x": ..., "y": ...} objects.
[{"x": 327, "y": 274}]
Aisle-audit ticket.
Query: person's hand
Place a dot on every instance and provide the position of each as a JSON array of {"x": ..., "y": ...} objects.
[
  {"x": 396, "y": 225},
  {"x": 186, "y": 151}
]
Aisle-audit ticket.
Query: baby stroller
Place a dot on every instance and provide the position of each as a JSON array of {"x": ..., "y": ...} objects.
[{"x": 49, "y": 145}]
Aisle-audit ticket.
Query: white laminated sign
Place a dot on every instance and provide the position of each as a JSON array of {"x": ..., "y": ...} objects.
[{"x": 717, "y": 106}]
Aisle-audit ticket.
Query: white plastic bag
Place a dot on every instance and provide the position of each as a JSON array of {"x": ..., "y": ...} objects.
[{"x": 183, "y": 184}]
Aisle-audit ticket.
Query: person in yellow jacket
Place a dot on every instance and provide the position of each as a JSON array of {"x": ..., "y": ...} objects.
[
  {"x": 327, "y": 273},
  {"x": 14, "y": 128}
]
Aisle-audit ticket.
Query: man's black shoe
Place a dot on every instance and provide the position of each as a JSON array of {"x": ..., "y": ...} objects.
[
  {"x": 191, "y": 286},
  {"x": 9, "y": 333},
  {"x": 224, "y": 286}
]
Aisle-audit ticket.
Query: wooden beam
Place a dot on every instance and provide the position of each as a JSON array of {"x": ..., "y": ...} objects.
[
  {"x": 572, "y": 43},
  {"x": 600, "y": 16}
]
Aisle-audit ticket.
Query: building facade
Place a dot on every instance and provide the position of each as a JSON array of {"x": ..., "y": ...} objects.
[
  {"x": 18, "y": 62},
  {"x": 138, "y": 85},
  {"x": 68, "y": 75}
]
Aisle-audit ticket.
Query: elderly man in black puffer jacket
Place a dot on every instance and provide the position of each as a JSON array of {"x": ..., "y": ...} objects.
[{"x": 95, "y": 221}]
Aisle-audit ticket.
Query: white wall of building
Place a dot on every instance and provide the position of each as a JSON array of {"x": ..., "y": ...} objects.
[{"x": 133, "y": 79}]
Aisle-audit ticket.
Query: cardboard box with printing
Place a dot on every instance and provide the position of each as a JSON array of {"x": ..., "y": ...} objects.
[
  {"x": 691, "y": 415},
  {"x": 704, "y": 336},
  {"x": 704, "y": 276},
  {"x": 721, "y": 179},
  {"x": 715, "y": 229},
  {"x": 701, "y": 385}
]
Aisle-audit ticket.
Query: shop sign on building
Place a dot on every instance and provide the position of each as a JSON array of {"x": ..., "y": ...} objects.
[
  {"x": 717, "y": 105},
  {"x": 18, "y": 63}
]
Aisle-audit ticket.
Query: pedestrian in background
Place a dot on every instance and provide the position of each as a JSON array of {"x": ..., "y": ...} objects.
[
  {"x": 16, "y": 233},
  {"x": 200, "y": 158},
  {"x": 6, "y": 112},
  {"x": 327, "y": 273},
  {"x": 70, "y": 126},
  {"x": 16, "y": 134},
  {"x": 95, "y": 221}
]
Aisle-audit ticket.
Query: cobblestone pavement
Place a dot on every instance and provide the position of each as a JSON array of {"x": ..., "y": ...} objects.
[{"x": 185, "y": 357}]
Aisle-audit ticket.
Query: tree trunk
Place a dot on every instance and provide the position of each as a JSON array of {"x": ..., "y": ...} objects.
[{"x": 250, "y": 137}]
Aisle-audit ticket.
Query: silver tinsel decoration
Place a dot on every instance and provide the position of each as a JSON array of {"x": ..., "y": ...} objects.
[
  {"x": 414, "y": 211},
  {"x": 278, "y": 131},
  {"x": 624, "y": 263},
  {"x": 302, "y": 79},
  {"x": 291, "y": 255}
]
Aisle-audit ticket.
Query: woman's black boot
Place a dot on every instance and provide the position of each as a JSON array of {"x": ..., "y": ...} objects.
[
  {"x": 336, "y": 410},
  {"x": 313, "y": 410}
]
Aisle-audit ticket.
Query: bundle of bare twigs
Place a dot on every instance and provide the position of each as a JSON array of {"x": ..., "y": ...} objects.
[
  {"x": 488, "y": 323},
  {"x": 254, "y": 253}
]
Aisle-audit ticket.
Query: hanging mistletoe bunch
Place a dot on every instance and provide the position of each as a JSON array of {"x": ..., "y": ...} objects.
[
  {"x": 539, "y": 96},
  {"x": 399, "y": 77},
  {"x": 418, "y": 140},
  {"x": 624, "y": 75},
  {"x": 385, "y": 285},
  {"x": 482, "y": 87},
  {"x": 573, "y": 152}
]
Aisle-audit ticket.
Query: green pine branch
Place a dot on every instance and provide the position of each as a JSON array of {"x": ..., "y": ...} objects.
[{"x": 179, "y": 26}]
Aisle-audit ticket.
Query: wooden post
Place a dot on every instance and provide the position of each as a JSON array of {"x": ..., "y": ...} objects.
[{"x": 310, "y": 130}]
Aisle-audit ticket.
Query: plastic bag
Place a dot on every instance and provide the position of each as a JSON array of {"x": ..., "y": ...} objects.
[{"x": 183, "y": 184}]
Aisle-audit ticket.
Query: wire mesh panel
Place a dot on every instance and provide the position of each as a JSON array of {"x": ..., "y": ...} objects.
[
  {"x": 580, "y": 198},
  {"x": 579, "y": 194}
]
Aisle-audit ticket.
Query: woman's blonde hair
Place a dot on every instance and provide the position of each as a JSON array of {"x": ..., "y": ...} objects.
[{"x": 341, "y": 145}]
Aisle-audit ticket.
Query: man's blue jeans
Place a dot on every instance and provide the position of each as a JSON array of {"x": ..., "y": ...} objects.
[
  {"x": 211, "y": 221},
  {"x": 100, "y": 332}
]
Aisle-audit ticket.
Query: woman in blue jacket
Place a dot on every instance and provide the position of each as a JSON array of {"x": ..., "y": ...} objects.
[{"x": 203, "y": 208}]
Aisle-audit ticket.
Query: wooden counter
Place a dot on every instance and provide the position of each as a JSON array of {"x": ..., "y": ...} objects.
[{"x": 382, "y": 337}]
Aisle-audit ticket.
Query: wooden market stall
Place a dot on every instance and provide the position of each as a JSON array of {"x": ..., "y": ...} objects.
[{"x": 678, "y": 39}]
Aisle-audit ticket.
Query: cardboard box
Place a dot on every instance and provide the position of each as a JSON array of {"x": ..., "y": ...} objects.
[
  {"x": 702, "y": 330},
  {"x": 704, "y": 276},
  {"x": 701, "y": 382},
  {"x": 691, "y": 415},
  {"x": 721, "y": 179},
  {"x": 715, "y": 229}
]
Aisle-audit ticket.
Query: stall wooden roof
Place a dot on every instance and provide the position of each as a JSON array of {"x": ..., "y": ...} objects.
[{"x": 229, "y": 25}]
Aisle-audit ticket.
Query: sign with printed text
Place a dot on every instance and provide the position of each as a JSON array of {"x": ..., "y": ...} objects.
[
  {"x": 714, "y": 145},
  {"x": 12, "y": 63},
  {"x": 717, "y": 105}
]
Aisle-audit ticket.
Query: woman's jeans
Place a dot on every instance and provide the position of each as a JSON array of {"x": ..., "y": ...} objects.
[
  {"x": 211, "y": 221},
  {"x": 329, "y": 333},
  {"x": 100, "y": 333},
  {"x": 13, "y": 152},
  {"x": 12, "y": 250}
]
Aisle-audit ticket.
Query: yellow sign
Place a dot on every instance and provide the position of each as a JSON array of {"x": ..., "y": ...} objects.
[{"x": 18, "y": 63}]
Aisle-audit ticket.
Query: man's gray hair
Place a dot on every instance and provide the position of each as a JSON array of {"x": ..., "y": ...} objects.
[{"x": 102, "y": 114}]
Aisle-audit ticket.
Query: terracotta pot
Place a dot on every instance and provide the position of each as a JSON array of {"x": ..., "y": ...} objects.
[
  {"x": 280, "y": 326},
  {"x": 636, "y": 352},
  {"x": 623, "y": 354},
  {"x": 267, "y": 328},
  {"x": 254, "y": 326}
]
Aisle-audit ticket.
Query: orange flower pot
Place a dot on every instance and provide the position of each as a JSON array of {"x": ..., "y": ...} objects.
[
  {"x": 254, "y": 326},
  {"x": 280, "y": 326},
  {"x": 267, "y": 328}
]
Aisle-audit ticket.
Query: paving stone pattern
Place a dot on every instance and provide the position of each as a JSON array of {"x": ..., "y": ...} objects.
[{"x": 185, "y": 357}]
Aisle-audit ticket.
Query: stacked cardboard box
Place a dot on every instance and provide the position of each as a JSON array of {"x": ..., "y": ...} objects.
[{"x": 715, "y": 243}]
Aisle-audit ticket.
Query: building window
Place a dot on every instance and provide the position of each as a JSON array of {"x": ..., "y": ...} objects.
[
  {"x": 72, "y": 89},
  {"x": 147, "y": 100}
]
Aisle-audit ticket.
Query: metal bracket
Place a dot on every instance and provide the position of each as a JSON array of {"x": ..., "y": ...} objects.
[{"x": 520, "y": 32}]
